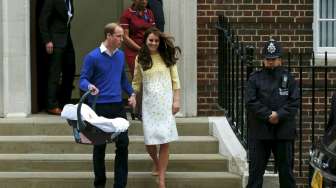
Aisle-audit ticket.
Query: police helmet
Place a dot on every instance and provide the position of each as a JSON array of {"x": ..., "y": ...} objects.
[{"x": 272, "y": 50}]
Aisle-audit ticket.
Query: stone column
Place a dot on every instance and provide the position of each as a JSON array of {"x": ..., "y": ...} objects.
[
  {"x": 180, "y": 17},
  {"x": 1, "y": 62},
  {"x": 15, "y": 39}
]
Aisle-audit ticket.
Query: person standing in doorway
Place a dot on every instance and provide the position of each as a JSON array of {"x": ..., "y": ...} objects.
[
  {"x": 272, "y": 101},
  {"x": 135, "y": 21},
  {"x": 103, "y": 73},
  {"x": 157, "y": 8},
  {"x": 54, "y": 22},
  {"x": 156, "y": 72}
]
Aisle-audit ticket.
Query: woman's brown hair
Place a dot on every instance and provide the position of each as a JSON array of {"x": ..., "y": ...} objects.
[{"x": 166, "y": 49}]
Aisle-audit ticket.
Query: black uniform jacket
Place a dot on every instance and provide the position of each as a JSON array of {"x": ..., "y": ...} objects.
[
  {"x": 267, "y": 91},
  {"x": 53, "y": 22}
]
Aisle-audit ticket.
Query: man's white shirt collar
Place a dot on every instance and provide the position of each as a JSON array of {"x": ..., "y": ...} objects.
[{"x": 107, "y": 51}]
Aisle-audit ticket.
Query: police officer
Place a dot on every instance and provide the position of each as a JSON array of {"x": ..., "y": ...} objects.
[{"x": 272, "y": 101}]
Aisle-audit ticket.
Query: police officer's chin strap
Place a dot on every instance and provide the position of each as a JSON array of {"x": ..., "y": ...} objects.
[
  {"x": 268, "y": 69},
  {"x": 271, "y": 70}
]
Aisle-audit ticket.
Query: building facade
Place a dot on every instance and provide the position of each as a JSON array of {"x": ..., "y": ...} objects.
[
  {"x": 19, "y": 49},
  {"x": 253, "y": 21},
  {"x": 301, "y": 26}
]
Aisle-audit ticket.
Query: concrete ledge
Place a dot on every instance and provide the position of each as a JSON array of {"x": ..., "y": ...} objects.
[
  {"x": 16, "y": 115},
  {"x": 230, "y": 146}
]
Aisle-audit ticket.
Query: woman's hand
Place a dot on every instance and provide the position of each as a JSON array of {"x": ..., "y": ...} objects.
[
  {"x": 132, "y": 101},
  {"x": 176, "y": 107},
  {"x": 176, "y": 101}
]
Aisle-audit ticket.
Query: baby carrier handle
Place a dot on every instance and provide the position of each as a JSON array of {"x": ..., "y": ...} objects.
[{"x": 80, "y": 123}]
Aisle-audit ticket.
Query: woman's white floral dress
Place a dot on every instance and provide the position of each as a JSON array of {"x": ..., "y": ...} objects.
[{"x": 158, "y": 82}]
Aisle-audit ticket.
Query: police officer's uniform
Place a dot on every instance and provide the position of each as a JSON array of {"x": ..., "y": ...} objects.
[{"x": 271, "y": 90}]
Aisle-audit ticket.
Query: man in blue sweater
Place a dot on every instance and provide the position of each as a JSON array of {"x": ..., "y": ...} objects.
[{"x": 103, "y": 73}]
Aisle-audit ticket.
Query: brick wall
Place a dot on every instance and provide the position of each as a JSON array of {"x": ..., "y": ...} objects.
[
  {"x": 254, "y": 21},
  {"x": 288, "y": 21}
]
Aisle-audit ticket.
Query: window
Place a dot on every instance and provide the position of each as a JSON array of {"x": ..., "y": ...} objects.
[{"x": 325, "y": 27}]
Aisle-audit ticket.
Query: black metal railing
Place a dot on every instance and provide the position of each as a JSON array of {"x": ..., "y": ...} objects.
[
  {"x": 236, "y": 62},
  {"x": 233, "y": 58}
]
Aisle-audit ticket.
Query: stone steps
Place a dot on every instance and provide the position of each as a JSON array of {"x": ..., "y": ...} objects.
[
  {"x": 135, "y": 180},
  {"x": 40, "y": 152},
  {"x": 66, "y": 144},
  {"x": 83, "y": 162},
  {"x": 55, "y": 126}
]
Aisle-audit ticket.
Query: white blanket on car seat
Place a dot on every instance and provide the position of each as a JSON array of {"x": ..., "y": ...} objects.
[{"x": 107, "y": 125}]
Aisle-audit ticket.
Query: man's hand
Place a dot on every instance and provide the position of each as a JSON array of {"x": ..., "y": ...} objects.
[
  {"x": 274, "y": 118},
  {"x": 132, "y": 101},
  {"x": 50, "y": 47},
  {"x": 93, "y": 89}
]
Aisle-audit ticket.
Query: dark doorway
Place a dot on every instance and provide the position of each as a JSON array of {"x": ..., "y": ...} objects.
[
  {"x": 86, "y": 31},
  {"x": 38, "y": 59}
]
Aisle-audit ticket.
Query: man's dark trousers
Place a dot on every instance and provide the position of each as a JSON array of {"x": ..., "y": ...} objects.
[
  {"x": 62, "y": 60},
  {"x": 259, "y": 154},
  {"x": 112, "y": 110}
]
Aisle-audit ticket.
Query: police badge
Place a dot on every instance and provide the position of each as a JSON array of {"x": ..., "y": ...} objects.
[{"x": 271, "y": 48}]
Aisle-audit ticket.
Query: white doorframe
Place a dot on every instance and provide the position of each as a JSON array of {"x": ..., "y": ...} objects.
[
  {"x": 16, "y": 86},
  {"x": 1, "y": 63},
  {"x": 180, "y": 20}
]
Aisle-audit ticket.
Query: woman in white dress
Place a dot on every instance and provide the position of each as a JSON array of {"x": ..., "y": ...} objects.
[{"x": 156, "y": 72}]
